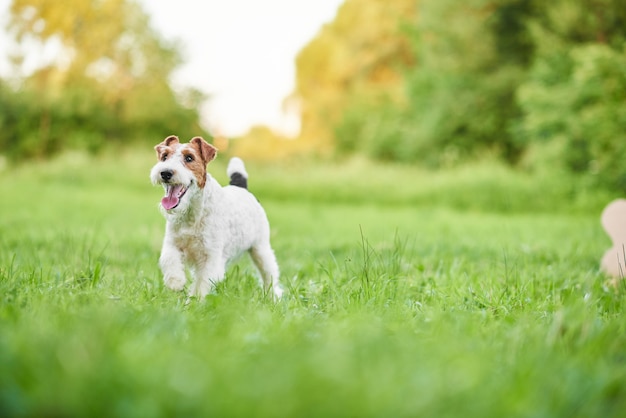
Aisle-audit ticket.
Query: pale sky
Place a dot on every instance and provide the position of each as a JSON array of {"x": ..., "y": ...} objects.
[{"x": 240, "y": 52}]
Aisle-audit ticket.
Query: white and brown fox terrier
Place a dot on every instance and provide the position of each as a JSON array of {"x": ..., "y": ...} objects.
[{"x": 208, "y": 225}]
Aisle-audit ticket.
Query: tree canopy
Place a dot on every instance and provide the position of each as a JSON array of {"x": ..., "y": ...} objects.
[
  {"x": 356, "y": 59},
  {"x": 440, "y": 81},
  {"x": 108, "y": 82}
]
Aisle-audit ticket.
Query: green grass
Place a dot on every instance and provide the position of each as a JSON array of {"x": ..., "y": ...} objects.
[{"x": 471, "y": 293}]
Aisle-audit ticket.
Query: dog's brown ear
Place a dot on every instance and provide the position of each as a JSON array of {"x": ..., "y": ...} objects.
[
  {"x": 207, "y": 151},
  {"x": 172, "y": 139}
]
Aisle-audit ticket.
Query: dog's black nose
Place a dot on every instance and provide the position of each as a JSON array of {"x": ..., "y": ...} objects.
[{"x": 166, "y": 175}]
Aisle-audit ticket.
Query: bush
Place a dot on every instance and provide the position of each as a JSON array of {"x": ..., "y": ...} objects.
[
  {"x": 35, "y": 125},
  {"x": 576, "y": 100}
]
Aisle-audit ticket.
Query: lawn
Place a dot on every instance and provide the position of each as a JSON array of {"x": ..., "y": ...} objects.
[{"x": 473, "y": 292}]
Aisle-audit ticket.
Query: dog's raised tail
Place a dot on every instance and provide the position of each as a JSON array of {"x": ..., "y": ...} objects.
[{"x": 237, "y": 173}]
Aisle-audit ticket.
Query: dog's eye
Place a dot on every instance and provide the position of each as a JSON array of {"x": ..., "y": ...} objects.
[
  {"x": 164, "y": 157},
  {"x": 189, "y": 158}
]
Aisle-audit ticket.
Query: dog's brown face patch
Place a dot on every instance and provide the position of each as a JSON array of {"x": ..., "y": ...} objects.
[
  {"x": 194, "y": 162},
  {"x": 194, "y": 156}
]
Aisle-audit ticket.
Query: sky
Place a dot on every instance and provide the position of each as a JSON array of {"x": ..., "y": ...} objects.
[{"x": 239, "y": 52}]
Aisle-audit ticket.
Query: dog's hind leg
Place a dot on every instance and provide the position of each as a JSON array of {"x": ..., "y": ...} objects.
[{"x": 265, "y": 261}]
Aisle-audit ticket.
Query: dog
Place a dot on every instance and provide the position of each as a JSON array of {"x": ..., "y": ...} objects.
[{"x": 207, "y": 225}]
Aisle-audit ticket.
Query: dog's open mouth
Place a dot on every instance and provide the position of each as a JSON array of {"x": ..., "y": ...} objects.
[{"x": 173, "y": 194}]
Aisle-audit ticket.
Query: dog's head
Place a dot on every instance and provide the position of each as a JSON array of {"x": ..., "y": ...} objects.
[{"x": 181, "y": 169}]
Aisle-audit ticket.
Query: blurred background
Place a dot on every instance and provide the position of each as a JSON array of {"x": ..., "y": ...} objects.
[{"x": 533, "y": 85}]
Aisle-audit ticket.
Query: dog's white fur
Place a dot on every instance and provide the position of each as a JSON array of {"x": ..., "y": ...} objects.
[{"x": 211, "y": 225}]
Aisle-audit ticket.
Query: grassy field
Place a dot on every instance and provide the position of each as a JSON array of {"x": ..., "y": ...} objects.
[{"x": 471, "y": 293}]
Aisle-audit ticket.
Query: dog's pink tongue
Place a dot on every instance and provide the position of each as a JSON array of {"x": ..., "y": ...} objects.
[{"x": 171, "y": 200}]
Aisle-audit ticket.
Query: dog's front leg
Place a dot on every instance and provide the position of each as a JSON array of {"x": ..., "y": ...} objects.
[
  {"x": 207, "y": 276},
  {"x": 171, "y": 263}
]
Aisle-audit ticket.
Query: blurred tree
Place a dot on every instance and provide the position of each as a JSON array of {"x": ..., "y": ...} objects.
[
  {"x": 428, "y": 80},
  {"x": 355, "y": 59},
  {"x": 110, "y": 79},
  {"x": 437, "y": 81},
  {"x": 262, "y": 144},
  {"x": 574, "y": 100},
  {"x": 472, "y": 56}
]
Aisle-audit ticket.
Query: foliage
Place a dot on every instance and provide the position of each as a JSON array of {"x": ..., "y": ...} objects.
[
  {"x": 109, "y": 81},
  {"x": 356, "y": 58},
  {"x": 574, "y": 97},
  {"x": 393, "y": 308},
  {"x": 261, "y": 143},
  {"x": 459, "y": 79},
  {"x": 461, "y": 95},
  {"x": 537, "y": 82}
]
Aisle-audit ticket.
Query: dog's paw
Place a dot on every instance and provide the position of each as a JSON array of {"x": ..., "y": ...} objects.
[
  {"x": 200, "y": 290},
  {"x": 278, "y": 292},
  {"x": 174, "y": 283}
]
